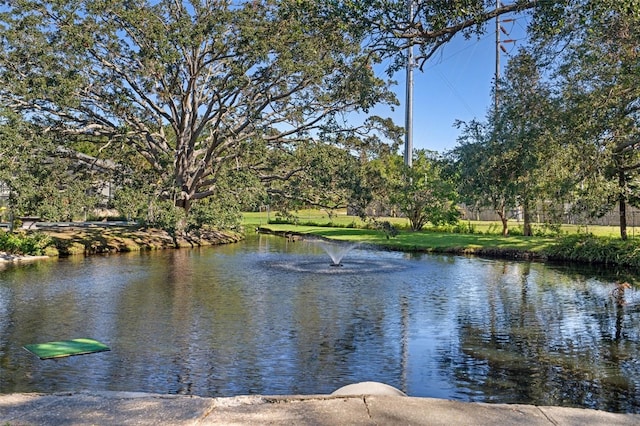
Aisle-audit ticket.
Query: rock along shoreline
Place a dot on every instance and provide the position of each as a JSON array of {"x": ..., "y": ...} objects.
[{"x": 96, "y": 239}]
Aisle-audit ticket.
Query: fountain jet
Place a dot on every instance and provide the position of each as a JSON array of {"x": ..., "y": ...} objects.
[{"x": 336, "y": 251}]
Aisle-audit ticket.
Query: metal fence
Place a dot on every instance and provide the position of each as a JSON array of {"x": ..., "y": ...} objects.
[{"x": 610, "y": 219}]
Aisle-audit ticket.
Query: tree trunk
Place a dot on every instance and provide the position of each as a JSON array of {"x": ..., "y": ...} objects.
[
  {"x": 184, "y": 203},
  {"x": 416, "y": 222},
  {"x": 503, "y": 218},
  {"x": 623, "y": 219},
  {"x": 526, "y": 218},
  {"x": 622, "y": 201}
]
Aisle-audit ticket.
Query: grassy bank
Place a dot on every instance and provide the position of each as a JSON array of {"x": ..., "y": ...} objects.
[
  {"x": 426, "y": 241},
  {"x": 593, "y": 244}
]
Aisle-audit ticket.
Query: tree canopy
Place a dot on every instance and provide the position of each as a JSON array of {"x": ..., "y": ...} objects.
[
  {"x": 423, "y": 192},
  {"x": 565, "y": 135},
  {"x": 186, "y": 85},
  {"x": 395, "y": 25},
  {"x": 247, "y": 103}
]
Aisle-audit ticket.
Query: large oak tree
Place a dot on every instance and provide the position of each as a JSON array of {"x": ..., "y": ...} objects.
[{"x": 187, "y": 85}]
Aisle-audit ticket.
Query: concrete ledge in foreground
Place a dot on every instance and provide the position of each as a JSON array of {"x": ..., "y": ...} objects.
[{"x": 124, "y": 408}]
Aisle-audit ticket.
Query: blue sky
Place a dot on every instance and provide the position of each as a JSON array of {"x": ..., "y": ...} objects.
[{"x": 455, "y": 85}]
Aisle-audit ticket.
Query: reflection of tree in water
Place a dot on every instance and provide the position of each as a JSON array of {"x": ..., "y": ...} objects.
[
  {"x": 548, "y": 344},
  {"x": 188, "y": 345},
  {"x": 344, "y": 338}
]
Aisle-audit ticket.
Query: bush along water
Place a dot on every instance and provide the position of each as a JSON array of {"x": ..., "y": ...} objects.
[
  {"x": 587, "y": 248},
  {"x": 22, "y": 243}
]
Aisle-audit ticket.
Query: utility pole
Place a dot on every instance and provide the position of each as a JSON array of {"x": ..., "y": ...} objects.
[
  {"x": 408, "y": 123},
  {"x": 497, "y": 73},
  {"x": 499, "y": 46}
]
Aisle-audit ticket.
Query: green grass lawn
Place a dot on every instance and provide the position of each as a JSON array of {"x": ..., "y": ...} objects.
[
  {"x": 341, "y": 219},
  {"x": 421, "y": 241},
  {"x": 348, "y": 228},
  {"x": 486, "y": 239}
]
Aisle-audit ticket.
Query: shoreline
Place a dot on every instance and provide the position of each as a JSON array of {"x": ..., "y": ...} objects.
[
  {"x": 489, "y": 252},
  {"x": 95, "y": 239},
  {"x": 620, "y": 255},
  {"x": 19, "y": 258}
]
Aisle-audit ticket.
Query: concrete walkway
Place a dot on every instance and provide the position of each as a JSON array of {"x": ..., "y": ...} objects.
[{"x": 122, "y": 408}]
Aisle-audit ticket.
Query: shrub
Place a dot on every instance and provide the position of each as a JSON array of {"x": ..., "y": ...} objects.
[
  {"x": 388, "y": 229},
  {"x": 164, "y": 215},
  {"x": 129, "y": 203},
  {"x": 588, "y": 248},
  {"x": 24, "y": 244},
  {"x": 456, "y": 228},
  {"x": 214, "y": 214},
  {"x": 493, "y": 229}
]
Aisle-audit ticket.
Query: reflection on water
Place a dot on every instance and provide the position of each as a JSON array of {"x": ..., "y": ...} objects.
[{"x": 255, "y": 318}]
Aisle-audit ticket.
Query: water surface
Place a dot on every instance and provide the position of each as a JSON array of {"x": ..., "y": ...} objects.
[{"x": 268, "y": 316}]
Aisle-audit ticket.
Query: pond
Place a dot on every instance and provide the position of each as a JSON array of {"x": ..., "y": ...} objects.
[{"x": 270, "y": 316}]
